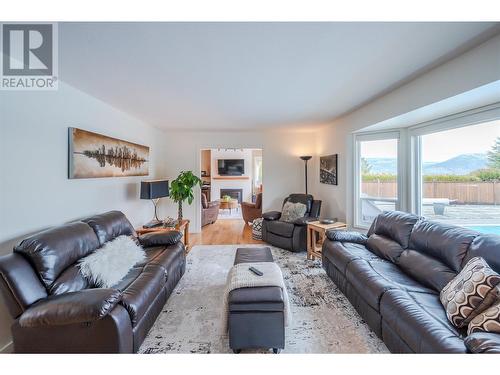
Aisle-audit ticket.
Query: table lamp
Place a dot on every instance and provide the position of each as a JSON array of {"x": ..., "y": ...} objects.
[{"x": 154, "y": 190}]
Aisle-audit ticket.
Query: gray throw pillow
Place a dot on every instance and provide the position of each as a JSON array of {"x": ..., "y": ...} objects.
[{"x": 293, "y": 211}]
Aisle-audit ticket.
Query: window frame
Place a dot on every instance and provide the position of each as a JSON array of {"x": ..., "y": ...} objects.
[
  {"x": 416, "y": 132},
  {"x": 374, "y": 136}
]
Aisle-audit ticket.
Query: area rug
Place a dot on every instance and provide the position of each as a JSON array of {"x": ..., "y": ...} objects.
[{"x": 323, "y": 319}]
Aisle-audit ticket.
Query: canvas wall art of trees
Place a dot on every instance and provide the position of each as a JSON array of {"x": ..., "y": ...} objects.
[
  {"x": 93, "y": 155},
  {"x": 328, "y": 169}
]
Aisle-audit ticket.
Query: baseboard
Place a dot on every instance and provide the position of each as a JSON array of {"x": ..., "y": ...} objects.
[{"x": 9, "y": 348}]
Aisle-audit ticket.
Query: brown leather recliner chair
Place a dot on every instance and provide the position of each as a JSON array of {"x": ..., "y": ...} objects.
[
  {"x": 209, "y": 210},
  {"x": 252, "y": 211},
  {"x": 57, "y": 310}
]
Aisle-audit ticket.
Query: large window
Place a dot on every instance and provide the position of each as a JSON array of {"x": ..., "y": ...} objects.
[
  {"x": 459, "y": 174},
  {"x": 377, "y": 187}
]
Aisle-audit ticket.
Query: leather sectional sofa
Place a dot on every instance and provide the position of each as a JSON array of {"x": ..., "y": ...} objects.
[
  {"x": 393, "y": 277},
  {"x": 56, "y": 310}
]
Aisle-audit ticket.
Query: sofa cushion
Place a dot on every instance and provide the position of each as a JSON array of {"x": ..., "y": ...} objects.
[
  {"x": 52, "y": 251},
  {"x": 139, "y": 295},
  {"x": 384, "y": 247},
  {"x": 471, "y": 292},
  {"x": 340, "y": 254},
  {"x": 372, "y": 278},
  {"x": 427, "y": 270},
  {"x": 420, "y": 321},
  {"x": 70, "y": 280},
  {"x": 448, "y": 243},
  {"x": 280, "y": 228},
  {"x": 486, "y": 246},
  {"x": 395, "y": 225},
  {"x": 110, "y": 225},
  {"x": 170, "y": 258}
]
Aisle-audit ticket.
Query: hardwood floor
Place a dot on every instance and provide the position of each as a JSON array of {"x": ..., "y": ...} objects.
[{"x": 224, "y": 232}]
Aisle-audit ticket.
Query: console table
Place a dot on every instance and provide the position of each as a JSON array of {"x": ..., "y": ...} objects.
[
  {"x": 182, "y": 227},
  {"x": 316, "y": 233}
]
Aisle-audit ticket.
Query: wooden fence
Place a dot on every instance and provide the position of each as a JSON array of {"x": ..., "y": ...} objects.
[{"x": 461, "y": 192}]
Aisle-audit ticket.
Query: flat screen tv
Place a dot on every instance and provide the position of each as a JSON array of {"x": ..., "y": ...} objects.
[{"x": 231, "y": 167}]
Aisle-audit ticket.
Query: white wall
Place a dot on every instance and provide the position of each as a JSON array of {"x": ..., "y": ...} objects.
[
  {"x": 475, "y": 68},
  {"x": 283, "y": 171},
  {"x": 245, "y": 185},
  {"x": 35, "y": 192}
]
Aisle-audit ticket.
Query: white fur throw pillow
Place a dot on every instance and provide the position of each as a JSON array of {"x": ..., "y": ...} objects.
[{"x": 109, "y": 264}]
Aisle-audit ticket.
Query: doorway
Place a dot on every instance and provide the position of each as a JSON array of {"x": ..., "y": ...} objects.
[{"x": 231, "y": 187}]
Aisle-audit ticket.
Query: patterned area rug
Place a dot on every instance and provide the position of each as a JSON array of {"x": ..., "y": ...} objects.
[{"x": 323, "y": 319}]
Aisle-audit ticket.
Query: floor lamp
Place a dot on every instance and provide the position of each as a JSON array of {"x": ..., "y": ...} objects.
[{"x": 306, "y": 158}]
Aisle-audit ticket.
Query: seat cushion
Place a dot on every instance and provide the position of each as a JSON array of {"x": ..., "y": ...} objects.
[
  {"x": 372, "y": 278},
  {"x": 448, "y": 243},
  {"x": 140, "y": 294},
  {"x": 110, "y": 225},
  {"x": 171, "y": 258},
  {"x": 420, "y": 321},
  {"x": 280, "y": 228},
  {"x": 52, "y": 251},
  {"x": 340, "y": 254},
  {"x": 253, "y": 255},
  {"x": 426, "y": 269},
  {"x": 394, "y": 225}
]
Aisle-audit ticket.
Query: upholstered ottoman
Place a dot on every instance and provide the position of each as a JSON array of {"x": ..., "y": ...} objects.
[{"x": 256, "y": 317}]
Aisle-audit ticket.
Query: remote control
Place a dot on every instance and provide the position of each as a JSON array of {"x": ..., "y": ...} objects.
[{"x": 256, "y": 271}]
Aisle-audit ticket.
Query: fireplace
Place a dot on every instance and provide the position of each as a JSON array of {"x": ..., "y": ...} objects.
[{"x": 233, "y": 193}]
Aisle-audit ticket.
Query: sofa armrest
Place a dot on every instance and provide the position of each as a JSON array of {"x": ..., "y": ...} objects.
[
  {"x": 271, "y": 215},
  {"x": 164, "y": 238},
  {"x": 83, "y": 306},
  {"x": 346, "y": 236},
  {"x": 302, "y": 221},
  {"x": 483, "y": 342}
]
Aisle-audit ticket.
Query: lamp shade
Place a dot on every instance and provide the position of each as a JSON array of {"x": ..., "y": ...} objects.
[{"x": 154, "y": 189}]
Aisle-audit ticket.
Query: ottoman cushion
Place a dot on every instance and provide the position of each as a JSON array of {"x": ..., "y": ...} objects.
[{"x": 253, "y": 255}]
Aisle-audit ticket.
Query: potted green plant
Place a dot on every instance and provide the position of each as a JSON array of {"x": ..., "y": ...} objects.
[{"x": 181, "y": 189}]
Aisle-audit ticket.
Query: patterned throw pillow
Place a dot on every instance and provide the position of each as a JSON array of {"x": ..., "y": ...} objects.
[
  {"x": 487, "y": 321},
  {"x": 292, "y": 211},
  {"x": 470, "y": 293}
]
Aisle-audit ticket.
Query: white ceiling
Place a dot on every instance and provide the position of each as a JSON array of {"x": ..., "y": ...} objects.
[{"x": 242, "y": 76}]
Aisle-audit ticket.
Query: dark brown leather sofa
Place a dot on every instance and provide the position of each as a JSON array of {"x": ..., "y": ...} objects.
[
  {"x": 56, "y": 310},
  {"x": 290, "y": 236},
  {"x": 393, "y": 277},
  {"x": 209, "y": 210}
]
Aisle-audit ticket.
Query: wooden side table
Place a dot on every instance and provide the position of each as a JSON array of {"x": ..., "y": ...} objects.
[
  {"x": 316, "y": 233},
  {"x": 182, "y": 227}
]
